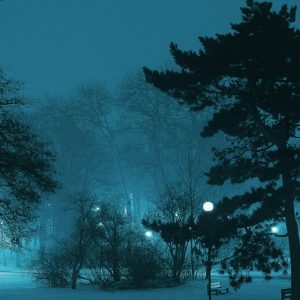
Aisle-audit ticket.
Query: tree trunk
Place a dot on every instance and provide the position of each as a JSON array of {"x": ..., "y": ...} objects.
[
  {"x": 4, "y": 258},
  {"x": 116, "y": 273},
  {"x": 42, "y": 240},
  {"x": 74, "y": 279},
  {"x": 294, "y": 247},
  {"x": 115, "y": 266},
  {"x": 18, "y": 259},
  {"x": 206, "y": 271},
  {"x": 176, "y": 274},
  {"x": 178, "y": 261},
  {"x": 75, "y": 275},
  {"x": 192, "y": 260},
  {"x": 209, "y": 273},
  {"x": 281, "y": 143},
  {"x": 121, "y": 176},
  {"x": 175, "y": 268}
]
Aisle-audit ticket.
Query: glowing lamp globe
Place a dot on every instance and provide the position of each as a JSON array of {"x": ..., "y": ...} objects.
[
  {"x": 208, "y": 206},
  {"x": 148, "y": 234},
  {"x": 274, "y": 229}
]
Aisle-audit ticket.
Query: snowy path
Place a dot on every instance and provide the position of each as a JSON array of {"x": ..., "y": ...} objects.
[
  {"x": 16, "y": 286},
  {"x": 15, "y": 279}
]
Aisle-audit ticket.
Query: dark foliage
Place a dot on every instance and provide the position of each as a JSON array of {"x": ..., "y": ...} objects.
[
  {"x": 26, "y": 167},
  {"x": 256, "y": 250},
  {"x": 144, "y": 266},
  {"x": 51, "y": 269},
  {"x": 250, "y": 79},
  {"x": 176, "y": 237}
]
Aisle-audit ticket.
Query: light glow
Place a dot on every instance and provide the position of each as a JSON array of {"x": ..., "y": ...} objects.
[
  {"x": 208, "y": 206},
  {"x": 148, "y": 234},
  {"x": 275, "y": 229},
  {"x": 96, "y": 209}
]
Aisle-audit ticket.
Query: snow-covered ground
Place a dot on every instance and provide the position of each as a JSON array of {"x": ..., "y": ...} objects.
[{"x": 17, "y": 286}]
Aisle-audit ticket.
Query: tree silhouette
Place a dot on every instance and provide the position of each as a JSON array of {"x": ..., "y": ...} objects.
[
  {"x": 249, "y": 78},
  {"x": 26, "y": 167}
]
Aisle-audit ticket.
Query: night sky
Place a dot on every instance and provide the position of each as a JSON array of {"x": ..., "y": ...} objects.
[{"x": 53, "y": 45}]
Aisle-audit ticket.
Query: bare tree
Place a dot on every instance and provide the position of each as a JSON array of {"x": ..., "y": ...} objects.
[
  {"x": 153, "y": 118},
  {"x": 61, "y": 265},
  {"x": 114, "y": 232},
  {"x": 170, "y": 219},
  {"x": 83, "y": 234},
  {"x": 93, "y": 106}
]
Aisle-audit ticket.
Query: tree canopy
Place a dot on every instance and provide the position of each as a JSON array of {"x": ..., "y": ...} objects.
[
  {"x": 250, "y": 80},
  {"x": 26, "y": 170}
]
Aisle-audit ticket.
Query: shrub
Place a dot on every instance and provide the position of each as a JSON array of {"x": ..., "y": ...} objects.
[
  {"x": 143, "y": 265},
  {"x": 51, "y": 269}
]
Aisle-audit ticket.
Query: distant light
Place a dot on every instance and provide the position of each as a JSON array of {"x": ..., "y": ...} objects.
[
  {"x": 275, "y": 229},
  {"x": 208, "y": 206},
  {"x": 148, "y": 234},
  {"x": 96, "y": 208},
  {"x": 100, "y": 224},
  {"x": 176, "y": 214}
]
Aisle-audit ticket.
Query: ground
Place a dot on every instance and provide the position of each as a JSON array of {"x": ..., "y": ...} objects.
[{"x": 18, "y": 286}]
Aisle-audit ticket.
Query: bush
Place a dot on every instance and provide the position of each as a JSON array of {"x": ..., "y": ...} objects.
[
  {"x": 143, "y": 265},
  {"x": 51, "y": 269}
]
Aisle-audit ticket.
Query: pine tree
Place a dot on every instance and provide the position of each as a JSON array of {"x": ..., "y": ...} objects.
[
  {"x": 250, "y": 79},
  {"x": 26, "y": 168}
]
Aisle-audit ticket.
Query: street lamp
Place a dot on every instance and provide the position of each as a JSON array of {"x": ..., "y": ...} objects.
[
  {"x": 148, "y": 234},
  {"x": 208, "y": 206},
  {"x": 275, "y": 229}
]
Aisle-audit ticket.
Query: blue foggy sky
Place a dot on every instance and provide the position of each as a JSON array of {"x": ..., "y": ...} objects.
[{"x": 53, "y": 45}]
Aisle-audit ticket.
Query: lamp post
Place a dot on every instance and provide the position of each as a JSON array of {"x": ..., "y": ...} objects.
[
  {"x": 208, "y": 207},
  {"x": 209, "y": 271}
]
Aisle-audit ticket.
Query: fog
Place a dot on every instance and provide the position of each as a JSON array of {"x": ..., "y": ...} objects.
[{"x": 123, "y": 152}]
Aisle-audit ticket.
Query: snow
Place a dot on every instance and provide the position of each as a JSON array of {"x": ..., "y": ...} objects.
[{"x": 18, "y": 286}]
